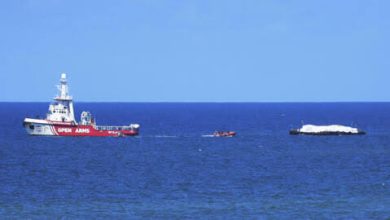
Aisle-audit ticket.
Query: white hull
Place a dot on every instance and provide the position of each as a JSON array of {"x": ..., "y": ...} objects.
[{"x": 38, "y": 127}]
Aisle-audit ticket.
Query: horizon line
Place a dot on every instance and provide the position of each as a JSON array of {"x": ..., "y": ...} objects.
[{"x": 205, "y": 102}]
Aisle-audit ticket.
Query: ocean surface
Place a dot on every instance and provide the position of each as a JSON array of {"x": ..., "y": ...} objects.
[{"x": 173, "y": 170}]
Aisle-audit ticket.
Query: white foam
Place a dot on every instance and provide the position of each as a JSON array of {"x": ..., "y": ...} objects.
[
  {"x": 165, "y": 136},
  {"x": 208, "y": 135}
]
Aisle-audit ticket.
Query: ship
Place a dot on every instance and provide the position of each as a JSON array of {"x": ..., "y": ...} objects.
[
  {"x": 326, "y": 130},
  {"x": 60, "y": 120}
]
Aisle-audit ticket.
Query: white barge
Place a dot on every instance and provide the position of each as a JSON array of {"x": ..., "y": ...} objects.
[{"x": 326, "y": 130}]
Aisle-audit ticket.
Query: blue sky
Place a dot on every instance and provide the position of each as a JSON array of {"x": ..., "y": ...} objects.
[{"x": 213, "y": 51}]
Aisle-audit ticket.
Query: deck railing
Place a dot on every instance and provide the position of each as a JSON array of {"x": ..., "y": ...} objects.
[{"x": 112, "y": 128}]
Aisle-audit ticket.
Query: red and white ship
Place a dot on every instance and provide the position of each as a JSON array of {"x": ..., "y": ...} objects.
[{"x": 60, "y": 120}]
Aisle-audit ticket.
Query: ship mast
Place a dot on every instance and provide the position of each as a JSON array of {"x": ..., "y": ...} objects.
[
  {"x": 64, "y": 90},
  {"x": 65, "y": 97},
  {"x": 62, "y": 109}
]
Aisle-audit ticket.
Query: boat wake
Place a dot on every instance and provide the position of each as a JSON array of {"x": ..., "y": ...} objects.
[
  {"x": 165, "y": 136},
  {"x": 208, "y": 135}
]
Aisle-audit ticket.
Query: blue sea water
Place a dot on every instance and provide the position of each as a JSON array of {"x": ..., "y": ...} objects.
[{"x": 173, "y": 171}]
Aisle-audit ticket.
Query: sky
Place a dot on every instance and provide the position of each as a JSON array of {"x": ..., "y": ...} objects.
[{"x": 196, "y": 51}]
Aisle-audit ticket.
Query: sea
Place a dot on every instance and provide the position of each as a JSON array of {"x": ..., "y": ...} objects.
[{"x": 175, "y": 169}]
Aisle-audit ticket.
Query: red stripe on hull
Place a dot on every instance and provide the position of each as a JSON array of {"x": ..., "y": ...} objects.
[{"x": 90, "y": 131}]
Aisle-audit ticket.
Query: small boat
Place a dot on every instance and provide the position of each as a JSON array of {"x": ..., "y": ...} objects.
[
  {"x": 224, "y": 134},
  {"x": 326, "y": 130}
]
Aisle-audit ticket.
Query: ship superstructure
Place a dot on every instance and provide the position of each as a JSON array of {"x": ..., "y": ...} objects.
[
  {"x": 62, "y": 107},
  {"x": 60, "y": 120}
]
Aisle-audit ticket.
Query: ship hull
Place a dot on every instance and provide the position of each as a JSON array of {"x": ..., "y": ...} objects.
[{"x": 45, "y": 128}]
